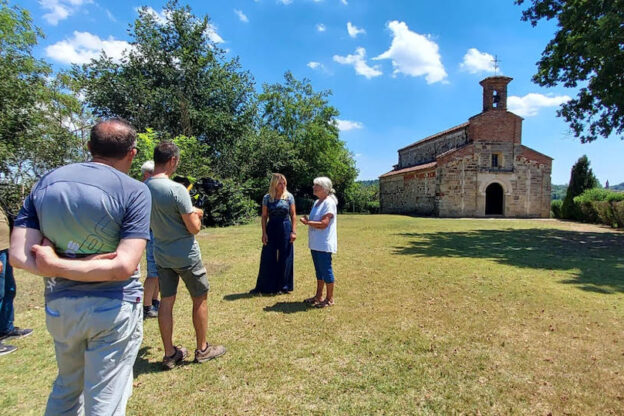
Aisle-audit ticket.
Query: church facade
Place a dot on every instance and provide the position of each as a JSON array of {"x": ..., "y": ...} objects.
[{"x": 476, "y": 169}]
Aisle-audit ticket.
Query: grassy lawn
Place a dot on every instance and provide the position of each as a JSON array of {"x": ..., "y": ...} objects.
[{"x": 432, "y": 316}]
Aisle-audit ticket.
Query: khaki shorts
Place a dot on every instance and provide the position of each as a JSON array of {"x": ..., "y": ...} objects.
[{"x": 194, "y": 278}]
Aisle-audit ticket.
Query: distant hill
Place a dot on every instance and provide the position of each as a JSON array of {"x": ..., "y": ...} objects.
[
  {"x": 373, "y": 182},
  {"x": 558, "y": 191},
  {"x": 619, "y": 187}
]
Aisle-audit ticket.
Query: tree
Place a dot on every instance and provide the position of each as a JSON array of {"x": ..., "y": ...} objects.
[
  {"x": 586, "y": 51},
  {"x": 301, "y": 127},
  {"x": 581, "y": 179},
  {"x": 177, "y": 81},
  {"x": 35, "y": 110}
]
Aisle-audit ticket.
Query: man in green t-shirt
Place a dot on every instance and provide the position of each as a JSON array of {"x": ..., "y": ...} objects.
[{"x": 174, "y": 223}]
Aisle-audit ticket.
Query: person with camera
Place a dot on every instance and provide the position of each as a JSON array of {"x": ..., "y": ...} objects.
[
  {"x": 174, "y": 224},
  {"x": 322, "y": 240},
  {"x": 279, "y": 219}
]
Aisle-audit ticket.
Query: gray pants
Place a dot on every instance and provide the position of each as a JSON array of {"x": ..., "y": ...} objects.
[{"x": 96, "y": 341}]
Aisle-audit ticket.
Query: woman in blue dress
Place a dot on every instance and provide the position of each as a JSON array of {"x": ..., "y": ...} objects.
[{"x": 279, "y": 220}]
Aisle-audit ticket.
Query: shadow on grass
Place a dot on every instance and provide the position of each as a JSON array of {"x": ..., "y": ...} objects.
[
  {"x": 238, "y": 296},
  {"x": 143, "y": 366},
  {"x": 598, "y": 257},
  {"x": 288, "y": 307},
  {"x": 248, "y": 295}
]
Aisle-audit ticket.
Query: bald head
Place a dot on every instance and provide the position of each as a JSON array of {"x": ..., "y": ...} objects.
[{"x": 112, "y": 138}]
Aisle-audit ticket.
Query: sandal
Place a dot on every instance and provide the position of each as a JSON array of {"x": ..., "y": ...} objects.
[
  {"x": 312, "y": 301},
  {"x": 324, "y": 303}
]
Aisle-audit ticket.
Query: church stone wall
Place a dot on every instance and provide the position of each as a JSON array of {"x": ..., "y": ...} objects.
[
  {"x": 457, "y": 174},
  {"x": 412, "y": 192},
  {"x": 428, "y": 151}
]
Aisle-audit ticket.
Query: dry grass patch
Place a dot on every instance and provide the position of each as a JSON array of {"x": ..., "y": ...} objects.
[{"x": 432, "y": 316}]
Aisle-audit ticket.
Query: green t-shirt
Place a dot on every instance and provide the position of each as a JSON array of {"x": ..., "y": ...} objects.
[{"x": 174, "y": 245}]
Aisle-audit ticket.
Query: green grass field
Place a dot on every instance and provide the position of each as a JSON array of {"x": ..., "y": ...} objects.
[{"x": 432, "y": 316}]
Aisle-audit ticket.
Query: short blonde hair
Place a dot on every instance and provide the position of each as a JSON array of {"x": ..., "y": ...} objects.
[{"x": 275, "y": 178}]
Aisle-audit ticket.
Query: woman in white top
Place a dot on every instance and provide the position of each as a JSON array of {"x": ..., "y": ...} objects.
[{"x": 323, "y": 240}]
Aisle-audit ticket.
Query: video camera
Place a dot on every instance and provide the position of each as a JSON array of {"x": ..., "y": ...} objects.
[{"x": 200, "y": 191}]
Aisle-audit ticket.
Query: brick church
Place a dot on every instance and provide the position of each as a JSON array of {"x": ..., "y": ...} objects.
[{"x": 477, "y": 169}]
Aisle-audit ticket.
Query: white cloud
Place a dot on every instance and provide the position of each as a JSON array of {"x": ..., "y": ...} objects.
[
  {"x": 110, "y": 16},
  {"x": 344, "y": 2},
  {"x": 530, "y": 104},
  {"x": 160, "y": 17},
  {"x": 241, "y": 16},
  {"x": 60, "y": 9},
  {"x": 211, "y": 33},
  {"x": 286, "y": 2},
  {"x": 321, "y": 27},
  {"x": 346, "y": 125},
  {"x": 315, "y": 65},
  {"x": 476, "y": 61},
  {"x": 414, "y": 54},
  {"x": 354, "y": 30},
  {"x": 85, "y": 46},
  {"x": 359, "y": 63}
]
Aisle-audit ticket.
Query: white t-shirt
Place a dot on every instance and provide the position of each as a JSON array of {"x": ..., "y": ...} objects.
[{"x": 326, "y": 239}]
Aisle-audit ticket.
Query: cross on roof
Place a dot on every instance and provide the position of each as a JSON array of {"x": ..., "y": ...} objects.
[{"x": 496, "y": 61}]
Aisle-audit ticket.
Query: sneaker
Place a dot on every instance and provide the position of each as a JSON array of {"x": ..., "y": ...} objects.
[
  {"x": 208, "y": 353},
  {"x": 149, "y": 312},
  {"x": 155, "y": 304},
  {"x": 6, "y": 349},
  {"x": 16, "y": 333},
  {"x": 177, "y": 357}
]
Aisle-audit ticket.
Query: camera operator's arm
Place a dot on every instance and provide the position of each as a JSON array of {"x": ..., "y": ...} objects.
[{"x": 192, "y": 220}]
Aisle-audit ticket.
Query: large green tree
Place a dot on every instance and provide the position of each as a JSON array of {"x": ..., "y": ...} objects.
[
  {"x": 36, "y": 128},
  {"x": 581, "y": 179},
  {"x": 299, "y": 137},
  {"x": 176, "y": 81},
  {"x": 586, "y": 52}
]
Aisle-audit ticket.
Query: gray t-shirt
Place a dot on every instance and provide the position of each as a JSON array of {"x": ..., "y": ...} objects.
[
  {"x": 87, "y": 208},
  {"x": 174, "y": 245}
]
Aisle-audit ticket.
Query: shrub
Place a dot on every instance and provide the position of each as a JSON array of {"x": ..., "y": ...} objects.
[
  {"x": 229, "y": 205},
  {"x": 555, "y": 208},
  {"x": 600, "y": 206}
]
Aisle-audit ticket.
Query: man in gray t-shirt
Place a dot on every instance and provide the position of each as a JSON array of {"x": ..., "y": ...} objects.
[
  {"x": 174, "y": 224},
  {"x": 84, "y": 227}
]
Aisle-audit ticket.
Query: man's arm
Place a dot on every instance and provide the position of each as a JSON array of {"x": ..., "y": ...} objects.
[
  {"x": 192, "y": 220},
  {"x": 20, "y": 253},
  {"x": 116, "y": 266}
]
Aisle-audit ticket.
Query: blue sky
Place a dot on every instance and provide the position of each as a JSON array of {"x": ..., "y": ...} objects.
[{"x": 399, "y": 70}]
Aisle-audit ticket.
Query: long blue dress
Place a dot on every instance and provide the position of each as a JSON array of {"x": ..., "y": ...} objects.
[{"x": 276, "y": 260}]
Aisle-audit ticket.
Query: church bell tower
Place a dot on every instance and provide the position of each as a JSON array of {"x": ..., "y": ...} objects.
[{"x": 495, "y": 93}]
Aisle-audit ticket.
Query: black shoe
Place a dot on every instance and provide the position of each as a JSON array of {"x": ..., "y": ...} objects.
[
  {"x": 254, "y": 291},
  {"x": 149, "y": 312},
  {"x": 155, "y": 304},
  {"x": 16, "y": 333},
  {"x": 7, "y": 349}
]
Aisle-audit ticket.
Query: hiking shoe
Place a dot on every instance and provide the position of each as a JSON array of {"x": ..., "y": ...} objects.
[
  {"x": 16, "y": 333},
  {"x": 155, "y": 304},
  {"x": 149, "y": 312},
  {"x": 208, "y": 353},
  {"x": 177, "y": 357},
  {"x": 7, "y": 349}
]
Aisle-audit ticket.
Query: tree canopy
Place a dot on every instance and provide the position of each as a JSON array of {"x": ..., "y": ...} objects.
[
  {"x": 36, "y": 112},
  {"x": 586, "y": 52},
  {"x": 174, "y": 80}
]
